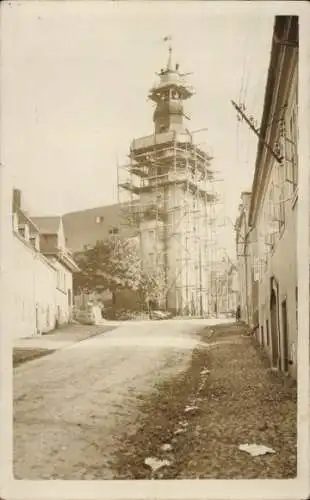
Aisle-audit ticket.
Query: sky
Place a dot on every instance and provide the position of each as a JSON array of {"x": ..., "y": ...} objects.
[{"x": 74, "y": 92}]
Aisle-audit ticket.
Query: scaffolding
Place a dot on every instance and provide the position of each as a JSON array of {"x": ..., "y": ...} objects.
[{"x": 169, "y": 197}]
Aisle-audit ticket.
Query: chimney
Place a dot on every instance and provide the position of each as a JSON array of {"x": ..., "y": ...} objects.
[
  {"x": 15, "y": 222},
  {"x": 17, "y": 199}
]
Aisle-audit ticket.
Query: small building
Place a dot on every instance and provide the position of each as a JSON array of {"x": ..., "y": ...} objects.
[
  {"x": 53, "y": 247},
  {"x": 244, "y": 259},
  {"x": 33, "y": 278},
  {"x": 224, "y": 287},
  {"x": 40, "y": 272},
  {"x": 272, "y": 211}
]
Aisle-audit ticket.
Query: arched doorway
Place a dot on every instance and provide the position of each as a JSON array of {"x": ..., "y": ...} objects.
[{"x": 274, "y": 328}]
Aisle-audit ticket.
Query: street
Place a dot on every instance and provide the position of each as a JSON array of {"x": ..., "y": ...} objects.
[
  {"x": 71, "y": 407},
  {"x": 98, "y": 409},
  {"x": 136, "y": 207}
]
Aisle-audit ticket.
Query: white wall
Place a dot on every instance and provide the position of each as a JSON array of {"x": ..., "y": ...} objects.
[
  {"x": 23, "y": 284},
  {"x": 6, "y": 237},
  {"x": 63, "y": 291},
  {"x": 45, "y": 294},
  {"x": 283, "y": 266},
  {"x": 33, "y": 290}
]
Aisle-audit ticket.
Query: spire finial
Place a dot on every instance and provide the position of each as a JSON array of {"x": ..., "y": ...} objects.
[{"x": 169, "y": 62}]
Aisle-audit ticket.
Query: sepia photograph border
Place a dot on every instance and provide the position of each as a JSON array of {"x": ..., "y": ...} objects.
[{"x": 290, "y": 489}]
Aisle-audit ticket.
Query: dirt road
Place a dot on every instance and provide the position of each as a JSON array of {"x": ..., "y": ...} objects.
[
  {"x": 72, "y": 408},
  {"x": 235, "y": 399}
]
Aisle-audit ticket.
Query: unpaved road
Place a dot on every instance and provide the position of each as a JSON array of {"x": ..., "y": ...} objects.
[{"x": 72, "y": 408}]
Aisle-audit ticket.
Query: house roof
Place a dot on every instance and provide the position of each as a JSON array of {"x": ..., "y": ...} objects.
[{"x": 47, "y": 225}]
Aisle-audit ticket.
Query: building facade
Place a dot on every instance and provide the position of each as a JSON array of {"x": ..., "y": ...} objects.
[
  {"x": 53, "y": 247},
  {"x": 86, "y": 227},
  {"x": 272, "y": 214},
  {"x": 39, "y": 299}
]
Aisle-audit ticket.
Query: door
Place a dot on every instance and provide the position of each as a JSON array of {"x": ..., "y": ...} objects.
[
  {"x": 274, "y": 329},
  {"x": 285, "y": 337}
]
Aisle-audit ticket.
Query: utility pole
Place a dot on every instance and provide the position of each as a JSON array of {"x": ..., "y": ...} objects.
[{"x": 257, "y": 132}]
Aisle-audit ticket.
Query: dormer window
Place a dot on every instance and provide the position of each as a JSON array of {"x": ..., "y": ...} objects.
[
  {"x": 35, "y": 241},
  {"x": 23, "y": 230}
]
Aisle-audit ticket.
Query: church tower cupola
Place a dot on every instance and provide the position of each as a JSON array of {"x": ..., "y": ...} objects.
[{"x": 168, "y": 95}]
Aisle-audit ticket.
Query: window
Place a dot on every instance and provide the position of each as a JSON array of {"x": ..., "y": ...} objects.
[
  {"x": 114, "y": 230},
  {"x": 99, "y": 219}
]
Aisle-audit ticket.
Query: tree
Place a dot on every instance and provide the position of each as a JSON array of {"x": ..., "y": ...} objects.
[
  {"x": 113, "y": 264},
  {"x": 153, "y": 286}
]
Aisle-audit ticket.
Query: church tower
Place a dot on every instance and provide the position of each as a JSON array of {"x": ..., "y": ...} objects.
[
  {"x": 168, "y": 179},
  {"x": 168, "y": 96}
]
